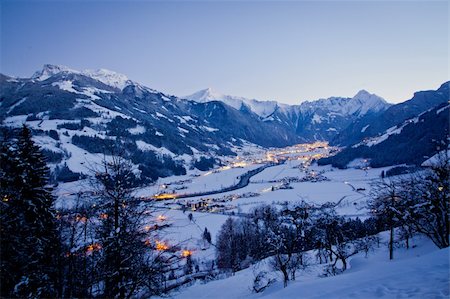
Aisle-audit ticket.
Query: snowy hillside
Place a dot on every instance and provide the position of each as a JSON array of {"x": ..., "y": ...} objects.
[
  {"x": 421, "y": 272},
  {"x": 368, "y": 127},
  {"x": 411, "y": 141}
]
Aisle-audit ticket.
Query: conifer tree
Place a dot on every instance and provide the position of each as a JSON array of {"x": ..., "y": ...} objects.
[
  {"x": 131, "y": 261},
  {"x": 30, "y": 242}
]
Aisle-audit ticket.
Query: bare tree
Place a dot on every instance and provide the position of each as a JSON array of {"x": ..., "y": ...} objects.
[
  {"x": 386, "y": 203},
  {"x": 427, "y": 204}
]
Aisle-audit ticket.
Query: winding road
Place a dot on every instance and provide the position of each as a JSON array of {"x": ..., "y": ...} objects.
[{"x": 244, "y": 180}]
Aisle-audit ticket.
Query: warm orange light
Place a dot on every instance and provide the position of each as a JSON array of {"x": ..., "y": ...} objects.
[
  {"x": 160, "y": 246},
  {"x": 165, "y": 196},
  {"x": 103, "y": 216},
  {"x": 186, "y": 253},
  {"x": 93, "y": 247}
]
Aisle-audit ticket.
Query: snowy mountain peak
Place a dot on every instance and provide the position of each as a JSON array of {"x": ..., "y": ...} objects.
[
  {"x": 261, "y": 108},
  {"x": 105, "y": 76},
  {"x": 206, "y": 95},
  {"x": 49, "y": 70},
  {"x": 362, "y": 103},
  {"x": 364, "y": 95},
  {"x": 370, "y": 102}
]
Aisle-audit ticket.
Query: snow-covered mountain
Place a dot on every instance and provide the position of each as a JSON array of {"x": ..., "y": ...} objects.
[
  {"x": 359, "y": 105},
  {"x": 49, "y": 70},
  {"x": 408, "y": 142},
  {"x": 368, "y": 127},
  {"x": 261, "y": 108},
  {"x": 312, "y": 120},
  {"x": 325, "y": 118},
  {"x": 105, "y": 76},
  {"x": 77, "y": 115}
]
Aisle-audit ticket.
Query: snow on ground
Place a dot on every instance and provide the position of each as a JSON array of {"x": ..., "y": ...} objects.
[
  {"x": 137, "y": 130},
  {"x": 65, "y": 85},
  {"x": 412, "y": 274},
  {"x": 420, "y": 272},
  {"x": 197, "y": 181},
  {"x": 144, "y": 146},
  {"x": 188, "y": 234}
]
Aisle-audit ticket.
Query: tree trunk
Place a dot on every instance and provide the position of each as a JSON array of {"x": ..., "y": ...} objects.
[
  {"x": 391, "y": 243},
  {"x": 407, "y": 242},
  {"x": 285, "y": 276},
  {"x": 344, "y": 264}
]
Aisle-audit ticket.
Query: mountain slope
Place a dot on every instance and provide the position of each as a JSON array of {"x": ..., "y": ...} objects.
[
  {"x": 396, "y": 114},
  {"x": 410, "y": 142},
  {"x": 325, "y": 118},
  {"x": 77, "y": 116}
]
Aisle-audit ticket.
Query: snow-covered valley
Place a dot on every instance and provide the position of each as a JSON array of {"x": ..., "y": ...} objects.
[{"x": 292, "y": 176}]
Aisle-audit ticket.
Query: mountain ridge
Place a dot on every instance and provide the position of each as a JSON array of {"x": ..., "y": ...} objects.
[{"x": 83, "y": 112}]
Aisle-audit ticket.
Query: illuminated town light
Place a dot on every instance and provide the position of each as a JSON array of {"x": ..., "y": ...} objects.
[
  {"x": 161, "y": 246},
  {"x": 93, "y": 247},
  {"x": 186, "y": 253},
  {"x": 163, "y": 196}
]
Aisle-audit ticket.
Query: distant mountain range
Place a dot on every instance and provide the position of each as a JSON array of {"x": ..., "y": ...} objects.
[
  {"x": 315, "y": 120},
  {"x": 77, "y": 115}
]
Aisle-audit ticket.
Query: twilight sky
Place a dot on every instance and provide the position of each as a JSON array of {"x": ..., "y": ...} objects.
[{"x": 288, "y": 51}]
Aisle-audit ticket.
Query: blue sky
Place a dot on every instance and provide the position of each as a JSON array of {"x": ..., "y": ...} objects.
[{"x": 288, "y": 51}]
